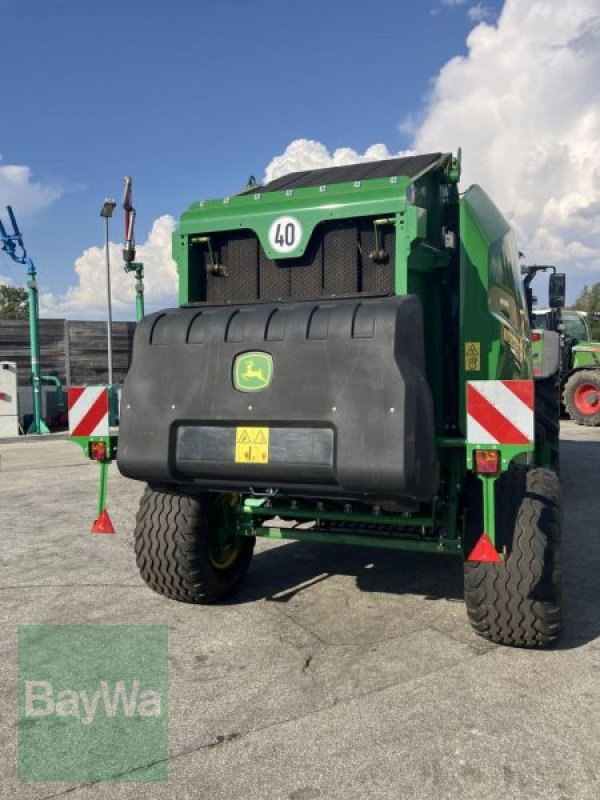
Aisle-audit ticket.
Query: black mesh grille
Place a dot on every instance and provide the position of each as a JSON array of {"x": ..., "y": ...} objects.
[{"x": 338, "y": 261}]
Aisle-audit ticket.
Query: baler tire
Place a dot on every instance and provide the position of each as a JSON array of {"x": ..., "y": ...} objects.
[
  {"x": 173, "y": 553},
  {"x": 518, "y": 602},
  {"x": 547, "y": 417},
  {"x": 577, "y": 380}
]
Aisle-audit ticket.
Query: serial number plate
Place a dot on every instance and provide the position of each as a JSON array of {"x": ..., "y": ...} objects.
[{"x": 251, "y": 445}]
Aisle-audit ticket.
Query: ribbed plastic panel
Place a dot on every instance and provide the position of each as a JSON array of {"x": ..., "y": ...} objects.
[{"x": 407, "y": 166}]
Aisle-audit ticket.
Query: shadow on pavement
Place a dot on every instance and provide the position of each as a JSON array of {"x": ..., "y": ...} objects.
[
  {"x": 280, "y": 573},
  {"x": 580, "y": 478}
]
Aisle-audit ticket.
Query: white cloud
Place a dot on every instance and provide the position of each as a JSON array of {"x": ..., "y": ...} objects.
[
  {"x": 27, "y": 196},
  {"x": 304, "y": 154},
  {"x": 6, "y": 280},
  {"x": 478, "y": 13},
  {"x": 88, "y": 298},
  {"x": 524, "y": 104}
]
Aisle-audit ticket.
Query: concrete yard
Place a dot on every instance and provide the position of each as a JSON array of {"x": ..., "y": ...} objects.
[{"x": 334, "y": 673}]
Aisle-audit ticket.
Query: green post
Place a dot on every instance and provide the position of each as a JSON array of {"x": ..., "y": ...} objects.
[
  {"x": 139, "y": 291},
  {"x": 138, "y": 268},
  {"x": 37, "y": 426},
  {"x": 103, "y": 487},
  {"x": 489, "y": 506}
]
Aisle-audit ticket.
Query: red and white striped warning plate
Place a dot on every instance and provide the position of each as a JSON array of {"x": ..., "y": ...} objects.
[
  {"x": 88, "y": 410},
  {"x": 500, "y": 412}
]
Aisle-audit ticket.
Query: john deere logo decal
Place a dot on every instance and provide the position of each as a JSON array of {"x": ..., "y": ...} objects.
[{"x": 252, "y": 372}]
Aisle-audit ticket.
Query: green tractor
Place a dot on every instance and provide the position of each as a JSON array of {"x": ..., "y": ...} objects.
[
  {"x": 580, "y": 362},
  {"x": 350, "y": 363}
]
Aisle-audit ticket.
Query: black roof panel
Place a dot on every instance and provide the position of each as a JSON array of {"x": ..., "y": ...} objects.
[{"x": 408, "y": 167}]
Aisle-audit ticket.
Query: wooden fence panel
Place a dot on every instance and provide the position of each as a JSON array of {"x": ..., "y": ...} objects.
[{"x": 68, "y": 348}]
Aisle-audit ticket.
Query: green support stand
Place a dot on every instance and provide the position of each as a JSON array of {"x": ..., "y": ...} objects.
[{"x": 38, "y": 426}]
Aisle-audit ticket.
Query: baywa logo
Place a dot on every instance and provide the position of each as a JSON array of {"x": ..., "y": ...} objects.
[
  {"x": 252, "y": 372},
  {"x": 41, "y": 701},
  {"x": 93, "y": 703}
]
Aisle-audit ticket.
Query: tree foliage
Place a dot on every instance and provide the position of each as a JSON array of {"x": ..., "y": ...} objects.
[
  {"x": 589, "y": 300},
  {"x": 13, "y": 302}
]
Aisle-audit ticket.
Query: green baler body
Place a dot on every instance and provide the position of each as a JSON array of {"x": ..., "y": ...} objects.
[
  {"x": 471, "y": 293},
  {"x": 455, "y": 253}
]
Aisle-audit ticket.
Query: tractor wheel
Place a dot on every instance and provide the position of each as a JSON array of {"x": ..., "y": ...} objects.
[
  {"x": 186, "y": 548},
  {"x": 547, "y": 417},
  {"x": 518, "y": 601},
  {"x": 581, "y": 397}
]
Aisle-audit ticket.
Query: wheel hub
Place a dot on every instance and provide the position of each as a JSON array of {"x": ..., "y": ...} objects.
[
  {"x": 222, "y": 548},
  {"x": 587, "y": 398}
]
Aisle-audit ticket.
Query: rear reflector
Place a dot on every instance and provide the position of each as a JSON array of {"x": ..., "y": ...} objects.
[
  {"x": 536, "y": 336},
  {"x": 484, "y": 550},
  {"x": 487, "y": 462}
]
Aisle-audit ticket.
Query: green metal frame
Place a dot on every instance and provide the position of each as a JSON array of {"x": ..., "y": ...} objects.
[
  {"x": 254, "y": 511},
  {"x": 110, "y": 443},
  {"x": 138, "y": 270}
]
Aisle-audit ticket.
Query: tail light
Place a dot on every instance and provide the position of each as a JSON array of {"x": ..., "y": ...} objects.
[
  {"x": 98, "y": 451},
  {"x": 487, "y": 462}
]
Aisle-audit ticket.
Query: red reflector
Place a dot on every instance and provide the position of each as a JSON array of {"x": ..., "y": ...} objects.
[
  {"x": 537, "y": 371},
  {"x": 97, "y": 451},
  {"x": 487, "y": 462},
  {"x": 103, "y": 524},
  {"x": 484, "y": 550},
  {"x": 536, "y": 337}
]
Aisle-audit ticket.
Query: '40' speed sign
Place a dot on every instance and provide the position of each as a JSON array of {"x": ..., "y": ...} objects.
[{"x": 285, "y": 234}]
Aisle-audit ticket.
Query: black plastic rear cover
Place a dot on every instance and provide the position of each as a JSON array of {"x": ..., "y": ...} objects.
[{"x": 348, "y": 410}]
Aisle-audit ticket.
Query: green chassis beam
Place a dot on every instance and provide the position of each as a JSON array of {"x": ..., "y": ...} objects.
[
  {"x": 253, "y": 509},
  {"x": 364, "y": 538},
  {"x": 336, "y": 516}
]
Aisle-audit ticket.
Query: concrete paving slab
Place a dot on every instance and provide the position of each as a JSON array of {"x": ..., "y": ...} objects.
[{"x": 334, "y": 673}]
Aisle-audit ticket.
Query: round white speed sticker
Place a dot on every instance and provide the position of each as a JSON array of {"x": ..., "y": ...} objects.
[{"x": 285, "y": 234}]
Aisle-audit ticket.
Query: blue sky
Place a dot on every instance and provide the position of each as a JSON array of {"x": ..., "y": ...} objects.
[{"x": 192, "y": 97}]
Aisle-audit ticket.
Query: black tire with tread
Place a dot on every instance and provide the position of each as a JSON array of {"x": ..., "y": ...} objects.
[
  {"x": 575, "y": 380},
  {"x": 518, "y": 602},
  {"x": 172, "y": 548}
]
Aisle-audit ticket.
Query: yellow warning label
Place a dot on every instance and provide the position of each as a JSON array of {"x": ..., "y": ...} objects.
[
  {"x": 473, "y": 356},
  {"x": 252, "y": 445}
]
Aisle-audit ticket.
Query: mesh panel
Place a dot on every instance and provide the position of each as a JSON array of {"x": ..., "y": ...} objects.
[
  {"x": 341, "y": 274},
  {"x": 336, "y": 262},
  {"x": 274, "y": 280},
  {"x": 377, "y": 278},
  {"x": 306, "y": 273},
  {"x": 238, "y": 252}
]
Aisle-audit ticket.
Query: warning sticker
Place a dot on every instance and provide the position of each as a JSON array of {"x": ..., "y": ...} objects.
[
  {"x": 473, "y": 356},
  {"x": 252, "y": 445}
]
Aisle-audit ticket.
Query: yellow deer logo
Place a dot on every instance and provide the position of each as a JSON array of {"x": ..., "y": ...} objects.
[
  {"x": 249, "y": 373},
  {"x": 252, "y": 372}
]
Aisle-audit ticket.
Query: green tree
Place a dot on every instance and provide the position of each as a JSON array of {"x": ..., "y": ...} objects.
[
  {"x": 589, "y": 300},
  {"x": 13, "y": 302}
]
